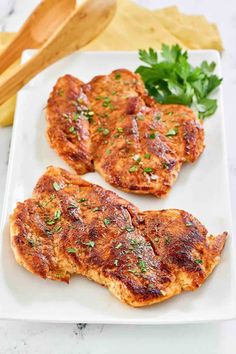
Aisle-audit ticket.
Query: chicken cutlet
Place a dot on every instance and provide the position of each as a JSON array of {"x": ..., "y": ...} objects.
[
  {"x": 111, "y": 125},
  {"x": 71, "y": 226}
]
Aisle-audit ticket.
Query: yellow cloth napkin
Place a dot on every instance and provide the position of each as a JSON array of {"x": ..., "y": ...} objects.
[{"x": 135, "y": 27}]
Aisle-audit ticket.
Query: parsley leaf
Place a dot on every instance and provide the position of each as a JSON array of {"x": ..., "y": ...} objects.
[{"x": 170, "y": 78}]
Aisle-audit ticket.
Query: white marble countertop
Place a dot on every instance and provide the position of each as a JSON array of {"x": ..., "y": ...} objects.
[{"x": 213, "y": 338}]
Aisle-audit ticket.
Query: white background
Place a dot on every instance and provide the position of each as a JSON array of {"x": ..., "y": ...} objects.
[{"x": 214, "y": 338}]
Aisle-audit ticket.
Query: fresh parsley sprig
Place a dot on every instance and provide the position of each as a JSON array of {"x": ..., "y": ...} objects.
[{"x": 170, "y": 78}]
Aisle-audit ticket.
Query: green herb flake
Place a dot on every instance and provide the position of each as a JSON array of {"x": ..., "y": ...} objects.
[
  {"x": 165, "y": 165},
  {"x": 188, "y": 223},
  {"x": 75, "y": 117},
  {"x": 117, "y": 76},
  {"x": 56, "y": 186},
  {"x": 134, "y": 271},
  {"x": 129, "y": 228},
  {"x": 152, "y": 136},
  {"x": 60, "y": 92},
  {"x": 106, "y": 221},
  {"x": 143, "y": 266},
  {"x": 106, "y": 102},
  {"x": 108, "y": 151},
  {"x": 50, "y": 222},
  {"x": 106, "y": 131},
  {"x": 57, "y": 215},
  {"x": 148, "y": 170},
  {"x": 172, "y": 132},
  {"x": 198, "y": 261},
  {"x": 134, "y": 242},
  {"x": 57, "y": 229},
  {"x": 81, "y": 200},
  {"x": 133, "y": 169},
  {"x": 71, "y": 250},
  {"x": 137, "y": 158},
  {"x": 158, "y": 116},
  {"x": 147, "y": 156},
  {"x": 119, "y": 245},
  {"x": 89, "y": 244},
  {"x": 95, "y": 209},
  {"x": 167, "y": 240},
  {"x": 31, "y": 242},
  {"x": 120, "y": 130},
  {"x": 100, "y": 129},
  {"x": 72, "y": 205}
]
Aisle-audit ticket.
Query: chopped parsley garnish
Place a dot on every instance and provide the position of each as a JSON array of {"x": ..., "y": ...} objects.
[
  {"x": 95, "y": 209},
  {"x": 71, "y": 129},
  {"x": 170, "y": 78},
  {"x": 188, "y": 223},
  {"x": 116, "y": 262},
  {"x": 82, "y": 200},
  {"x": 133, "y": 168},
  {"x": 75, "y": 117},
  {"x": 108, "y": 151},
  {"x": 137, "y": 158},
  {"x": 166, "y": 165},
  {"x": 106, "y": 221},
  {"x": 100, "y": 129},
  {"x": 198, "y": 261},
  {"x": 134, "y": 242},
  {"x": 106, "y": 102},
  {"x": 57, "y": 228},
  {"x": 71, "y": 250},
  {"x": 172, "y": 132},
  {"x": 89, "y": 244},
  {"x": 152, "y": 136},
  {"x": 120, "y": 130},
  {"x": 117, "y": 76},
  {"x": 147, "y": 170},
  {"x": 134, "y": 271},
  {"x": 31, "y": 242},
  {"x": 167, "y": 240},
  {"x": 56, "y": 186},
  {"x": 106, "y": 131},
  {"x": 119, "y": 245},
  {"x": 72, "y": 205},
  {"x": 143, "y": 266},
  {"x": 158, "y": 116},
  {"x": 147, "y": 156},
  {"x": 129, "y": 228},
  {"x": 60, "y": 92},
  {"x": 57, "y": 215},
  {"x": 50, "y": 222}
]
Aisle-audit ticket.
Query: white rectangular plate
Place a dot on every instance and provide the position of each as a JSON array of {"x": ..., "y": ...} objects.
[{"x": 201, "y": 189}]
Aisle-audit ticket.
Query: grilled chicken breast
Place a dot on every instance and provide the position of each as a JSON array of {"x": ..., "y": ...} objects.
[
  {"x": 111, "y": 125},
  {"x": 70, "y": 226}
]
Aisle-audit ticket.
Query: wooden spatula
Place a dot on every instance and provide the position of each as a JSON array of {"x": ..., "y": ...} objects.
[{"x": 61, "y": 28}]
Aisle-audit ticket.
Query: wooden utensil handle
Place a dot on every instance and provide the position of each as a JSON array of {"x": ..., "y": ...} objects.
[{"x": 92, "y": 17}]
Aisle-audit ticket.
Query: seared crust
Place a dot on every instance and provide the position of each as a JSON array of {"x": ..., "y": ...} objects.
[
  {"x": 71, "y": 226},
  {"x": 135, "y": 143}
]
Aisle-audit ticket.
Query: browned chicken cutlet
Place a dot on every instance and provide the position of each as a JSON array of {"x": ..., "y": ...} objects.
[
  {"x": 113, "y": 126},
  {"x": 70, "y": 226}
]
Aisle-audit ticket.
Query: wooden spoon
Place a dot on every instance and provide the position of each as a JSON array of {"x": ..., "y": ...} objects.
[
  {"x": 78, "y": 29},
  {"x": 37, "y": 29}
]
